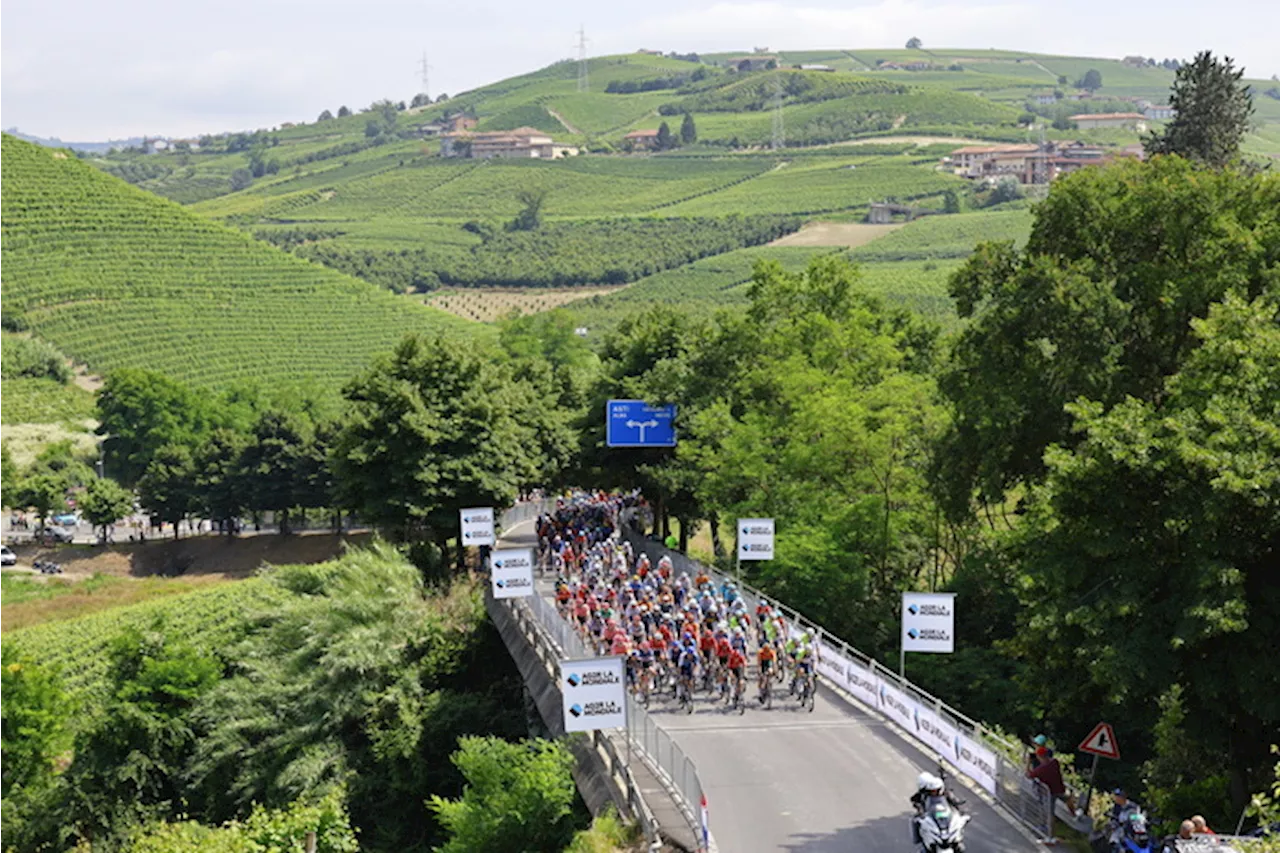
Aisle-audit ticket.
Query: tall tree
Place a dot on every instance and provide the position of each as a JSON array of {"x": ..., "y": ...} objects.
[
  {"x": 433, "y": 428},
  {"x": 914, "y": 43},
  {"x": 1092, "y": 80},
  {"x": 219, "y": 479},
  {"x": 664, "y": 137},
  {"x": 9, "y": 475},
  {"x": 104, "y": 502},
  {"x": 1212, "y": 113},
  {"x": 167, "y": 489},
  {"x": 1153, "y": 548},
  {"x": 688, "y": 130},
  {"x": 1098, "y": 304},
  {"x": 139, "y": 411}
]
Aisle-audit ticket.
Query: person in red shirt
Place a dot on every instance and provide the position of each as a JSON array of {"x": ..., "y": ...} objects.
[
  {"x": 737, "y": 663},
  {"x": 707, "y": 645},
  {"x": 1049, "y": 772}
]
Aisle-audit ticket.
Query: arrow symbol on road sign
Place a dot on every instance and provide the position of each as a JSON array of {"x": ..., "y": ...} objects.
[{"x": 643, "y": 425}]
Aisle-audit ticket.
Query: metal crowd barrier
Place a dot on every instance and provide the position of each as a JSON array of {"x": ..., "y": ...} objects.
[
  {"x": 990, "y": 761},
  {"x": 648, "y": 739}
]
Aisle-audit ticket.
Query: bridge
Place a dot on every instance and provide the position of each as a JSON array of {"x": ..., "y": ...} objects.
[{"x": 837, "y": 778}]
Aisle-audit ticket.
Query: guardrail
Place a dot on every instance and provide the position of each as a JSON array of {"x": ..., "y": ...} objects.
[
  {"x": 675, "y": 770},
  {"x": 937, "y": 727}
]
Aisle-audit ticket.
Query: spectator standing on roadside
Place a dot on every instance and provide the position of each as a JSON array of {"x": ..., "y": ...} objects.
[
  {"x": 1049, "y": 771},
  {"x": 1038, "y": 744}
]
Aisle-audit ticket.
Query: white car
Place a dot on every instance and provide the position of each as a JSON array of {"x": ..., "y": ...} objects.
[{"x": 7, "y": 557}]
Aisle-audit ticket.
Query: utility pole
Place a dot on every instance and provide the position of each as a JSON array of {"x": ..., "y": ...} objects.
[
  {"x": 779, "y": 134},
  {"x": 583, "y": 84},
  {"x": 425, "y": 70}
]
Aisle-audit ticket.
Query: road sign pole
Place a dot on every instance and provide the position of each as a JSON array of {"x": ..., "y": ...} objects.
[
  {"x": 1088, "y": 790},
  {"x": 902, "y": 662}
]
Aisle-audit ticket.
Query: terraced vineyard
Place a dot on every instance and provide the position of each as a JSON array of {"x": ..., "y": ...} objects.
[
  {"x": 209, "y": 619},
  {"x": 115, "y": 277},
  {"x": 952, "y": 236}
]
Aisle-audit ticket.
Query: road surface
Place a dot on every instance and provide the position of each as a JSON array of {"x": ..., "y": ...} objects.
[{"x": 835, "y": 780}]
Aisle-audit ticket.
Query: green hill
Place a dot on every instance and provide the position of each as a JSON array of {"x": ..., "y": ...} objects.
[{"x": 116, "y": 277}]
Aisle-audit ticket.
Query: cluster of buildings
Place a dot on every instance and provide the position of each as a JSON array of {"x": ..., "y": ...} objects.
[
  {"x": 459, "y": 138},
  {"x": 1030, "y": 163}
]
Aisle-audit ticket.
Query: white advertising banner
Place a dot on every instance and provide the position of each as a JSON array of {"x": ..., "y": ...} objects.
[
  {"x": 934, "y": 731},
  {"x": 511, "y": 572},
  {"x": 854, "y": 678},
  {"x": 595, "y": 694},
  {"x": 896, "y": 706},
  {"x": 975, "y": 761},
  {"x": 831, "y": 664},
  {"x": 477, "y": 525},
  {"x": 928, "y": 622},
  {"x": 755, "y": 539}
]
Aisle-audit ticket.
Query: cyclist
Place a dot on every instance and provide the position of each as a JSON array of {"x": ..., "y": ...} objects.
[
  {"x": 804, "y": 660},
  {"x": 737, "y": 663},
  {"x": 724, "y": 648},
  {"x": 688, "y": 665},
  {"x": 766, "y": 657}
]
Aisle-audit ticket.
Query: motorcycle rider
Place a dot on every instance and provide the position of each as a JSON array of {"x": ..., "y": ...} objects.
[
  {"x": 1118, "y": 816},
  {"x": 927, "y": 786}
]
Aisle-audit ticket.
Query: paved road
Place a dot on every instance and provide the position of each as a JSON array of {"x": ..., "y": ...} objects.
[{"x": 836, "y": 780}]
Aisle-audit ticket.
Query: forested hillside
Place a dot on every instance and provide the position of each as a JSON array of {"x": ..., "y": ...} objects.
[{"x": 115, "y": 277}]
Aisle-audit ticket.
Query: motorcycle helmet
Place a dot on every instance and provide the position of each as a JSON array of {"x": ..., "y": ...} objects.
[{"x": 928, "y": 782}]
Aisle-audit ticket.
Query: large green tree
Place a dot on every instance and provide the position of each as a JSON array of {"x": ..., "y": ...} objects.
[
  {"x": 139, "y": 411},
  {"x": 1152, "y": 551},
  {"x": 104, "y": 502},
  {"x": 434, "y": 427},
  {"x": 1213, "y": 111},
  {"x": 167, "y": 489},
  {"x": 519, "y": 796},
  {"x": 1098, "y": 305}
]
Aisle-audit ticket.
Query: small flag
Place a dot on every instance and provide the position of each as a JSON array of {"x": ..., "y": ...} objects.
[{"x": 706, "y": 826}]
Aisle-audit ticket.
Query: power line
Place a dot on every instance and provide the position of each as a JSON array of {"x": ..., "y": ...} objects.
[
  {"x": 583, "y": 83},
  {"x": 425, "y": 70}
]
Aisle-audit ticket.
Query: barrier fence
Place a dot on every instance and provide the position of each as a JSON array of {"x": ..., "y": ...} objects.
[
  {"x": 650, "y": 742},
  {"x": 980, "y": 755}
]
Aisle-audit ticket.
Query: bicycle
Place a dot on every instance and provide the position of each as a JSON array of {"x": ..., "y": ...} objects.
[
  {"x": 684, "y": 694},
  {"x": 766, "y": 690},
  {"x": 807, "y": 690},
  {"x": 738, "y": 690}
]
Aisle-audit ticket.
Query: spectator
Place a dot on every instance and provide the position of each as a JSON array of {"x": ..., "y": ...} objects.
[
  {"x": 1201, "y": 827},
  {"x": 1049, "y": 771},
  {"x": 672, "y": 542},
  {"x": 1036, "y": 755}
]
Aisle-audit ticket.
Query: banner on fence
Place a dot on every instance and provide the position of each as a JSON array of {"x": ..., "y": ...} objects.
[
  {"x": 975, "y": 761},
  {"x": 511, "y": 572},
  {"x": 477, "y": 525},
  {"x": 595, "y": 694}
]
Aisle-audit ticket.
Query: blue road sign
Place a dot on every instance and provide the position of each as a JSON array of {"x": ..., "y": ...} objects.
[{"x": 634, "y": 423}]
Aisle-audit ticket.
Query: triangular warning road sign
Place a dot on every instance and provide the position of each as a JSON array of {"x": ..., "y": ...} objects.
[{"x": 1101, "y": 741}]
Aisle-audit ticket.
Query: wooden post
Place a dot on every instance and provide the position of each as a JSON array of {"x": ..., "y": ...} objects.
[{"x": 311, "y": 842}]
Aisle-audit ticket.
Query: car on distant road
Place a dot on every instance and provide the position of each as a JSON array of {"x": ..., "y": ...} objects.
[
  {"x": 50, "y": 535},
  {"x": 7, "y": 557},
  {"x": 67, "y": 519}
]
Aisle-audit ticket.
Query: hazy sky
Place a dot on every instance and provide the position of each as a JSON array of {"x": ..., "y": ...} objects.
[{"x": 86, "y": 71}]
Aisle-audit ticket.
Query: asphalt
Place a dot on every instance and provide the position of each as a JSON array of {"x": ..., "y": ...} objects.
[{"x": 834, "y": 780}]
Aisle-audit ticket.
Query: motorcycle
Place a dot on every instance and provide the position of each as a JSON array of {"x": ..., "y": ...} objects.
[
  {"x": 1135, "y": 837},
  {"x": 941, "y": 827}
]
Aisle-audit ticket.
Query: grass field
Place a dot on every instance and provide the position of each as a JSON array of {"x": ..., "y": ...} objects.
[
  {"x": 34, "y": 600},
  {"x": 951, "y": 236},
  {"x": 44, "y": 401},
  {"x": 115, "y": 277}
]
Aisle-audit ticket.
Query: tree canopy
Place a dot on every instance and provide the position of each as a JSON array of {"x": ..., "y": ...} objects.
[{"x": 1213, "y": 111}]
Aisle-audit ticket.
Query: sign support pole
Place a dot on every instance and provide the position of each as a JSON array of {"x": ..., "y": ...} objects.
[
  {"x": 902, "y": 662},
  {"x": 1088, "y": 791}
]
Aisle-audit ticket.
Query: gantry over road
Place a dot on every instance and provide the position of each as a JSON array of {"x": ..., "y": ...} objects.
[{"x": 834, "y": 780}]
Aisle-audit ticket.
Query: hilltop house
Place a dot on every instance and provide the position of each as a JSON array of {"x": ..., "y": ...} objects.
[
  {"x": 1158, "y": 112},
  {"x": 1089, "y": 121},
  {"x": 1044, "y": 99},
  {"x": 521, "y": 142},
  {"x": 449, "y": 124},
  {"x": 1026, "y": 164},
  {"x": 969, "y": 162},
  {"x": 641, "y": 140}
]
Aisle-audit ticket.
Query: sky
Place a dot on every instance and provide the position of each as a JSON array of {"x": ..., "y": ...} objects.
[{"x": 88, "y": 70}]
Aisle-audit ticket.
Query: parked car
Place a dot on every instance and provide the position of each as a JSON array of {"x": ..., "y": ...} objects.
[
  {"x": 54, "y": 534},
  {"x": 67, "y": 519},
  {"x": 7, "y": 557}
]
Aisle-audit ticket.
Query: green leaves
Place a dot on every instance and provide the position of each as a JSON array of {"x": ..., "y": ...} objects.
[{"x": 519, "y": 796}]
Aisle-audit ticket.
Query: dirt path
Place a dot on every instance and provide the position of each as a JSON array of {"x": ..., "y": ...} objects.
[
  {"x": 914, "y": 140},
  {"x": 846, "y": 234},
  {"x": 555, "y": 115}
]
